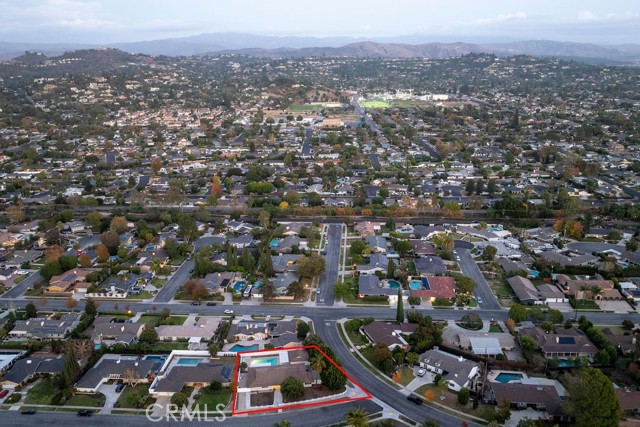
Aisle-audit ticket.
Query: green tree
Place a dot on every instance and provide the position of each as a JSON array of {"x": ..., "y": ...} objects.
[
  {"x": 66, "y": 215},
  {"x": 187, "y": 228},
  {"x": 148, "y": 334},
  {"x": 333, "y": 378},
  {"x": 50, "y": 269},
  {"x": 341, "y": 290},
  {"x": 31, "y": 311},
  {"x": 593, "y": 401},
  {"x": 292, "y": 389},
  {"x": 94, "y": 219},
  {"x": 400, "y": 308},
  {"x": 489, "y": 253},
  {"x": 282, "y": 423},
  {"x": 180, "y": 399},
  {"x": 71, "y": 368},
  {"x": 528, "y": 344},
  {"x": 518, "y": 313},
  {"x": 413, "y": 358},
  {"x": 403, "y": 246},
  {"x": 463, "y": 396},
  {"x": 67, "y": 262},
  {"x": 357, "y": 417},
  {"x": 302, "y": 329},
  {"x": 391, "y": 267},
  {"x": 90, "y": 308},
  {"x": 311, "y": 266}
]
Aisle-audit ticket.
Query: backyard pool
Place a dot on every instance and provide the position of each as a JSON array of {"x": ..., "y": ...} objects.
[
  {"x": 157, "y": 359},
  {"x": 535, "y": 274},
  {"x": 507, "y": 377},
  {"x": 564, "y": 363},
  {"x": 415, "y": 285},
  {"x": 189, "y": 361},
  {"x": 264, "y": 361},
  {"x": 150, "y": 248},
  {"x": 394, "y": 284},
  {"x": 237, "y": 348},
  {"x": 425, "y": 283},
  {"x": 274, "y": 243},
  {"x": 238, "y": 286},
  {"x": 257, "y": 284}
]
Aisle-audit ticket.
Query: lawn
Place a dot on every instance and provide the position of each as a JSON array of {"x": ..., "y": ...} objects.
[
  {"x": 495, "y": 328},
  {"x": 212, "y": 398},
  {"x": 584, "y": 304},
  {"x": 158, "y": 283},
  {"x": 304, "y": 107},
  {"x": 19, "y": 279},
  {"x": 155, "y": 319},
  {"x": 169, "y": 346},
  {"x": 375, "y": 104},
  {"x": 406, "y": 375},
  {"x": 88, "y": 400},
  {"x": 357, "y": 338},
  {"x": 125, "y": 399},
  {"x": 42, "y": 393},
  {"x": 141, "y": 295}
]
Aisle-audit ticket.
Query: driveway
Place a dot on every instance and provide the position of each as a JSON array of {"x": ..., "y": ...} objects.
[
  {"x": 418, "y": 382},
  {"x": 615, "y": 306},
  {"x": 110, "y": 395}
]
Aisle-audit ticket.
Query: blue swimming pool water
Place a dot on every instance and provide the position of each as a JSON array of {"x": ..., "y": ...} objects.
[
  {"x": 495, "y": 229},
  {"x": 236, "y": 348},
  {"x": 150, "y": 248},
  {"x": 394, "y": 284},
  {"x": 264, "y": 361},
  {"x": 274, "y": 243},
  {"x": 535, "y": 273},
  {"x": 189, "y": 361},
  {"x": 238, "y": 286},
  {"x": 425, "y": 283},
  {"x": 505, "y": 377},
  {"x": 257, "y": 284},
  {"x": 415, "y": 285},
  {"x": 97, "y": 346},
  {"x": 564, "y": 363},
  {"x": 158, "y": 359}
]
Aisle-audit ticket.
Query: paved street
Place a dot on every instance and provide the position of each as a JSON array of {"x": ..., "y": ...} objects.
[
  {"x": 470, "y": 269},
  {"x": 22, "y": 287},
  {"x": 332, "y": 259},
  {"x": 173, "y": 284}
]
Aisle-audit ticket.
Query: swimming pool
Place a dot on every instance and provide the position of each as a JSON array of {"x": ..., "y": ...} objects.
[
  {"x": 189, "y": 361},
  {"x": 238, "y": 286},
  {"x": 264, "y": 361},
  {"x": 507, "y": 377},
  {"x": 257, "y": 284},
  {"x": 274, "y": 243},
  {"x": 150, "y": 248},
  {"x": 415, "y": 285},
  {"x": 425, "y": 283},
  {"x": 237, "y": 348},
  {"x": 394, "y": 284},
  {"x": 535, "y": 273},
  {"x": 564, "y": 363},
  {"x": 157, "y": 359}
]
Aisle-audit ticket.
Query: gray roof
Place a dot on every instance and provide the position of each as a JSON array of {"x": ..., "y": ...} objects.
[
  {"x": 284, "y": 262},
  {"x": 371, "y": 285},
  {"x": 430, "y": 265},
  {"x": 108, "y": 367},
  {"x": 23, "y": 369},
  {"x": 456, "y": 369},
  {"x": 523, "y": 288},
  {"x": 178, "y": 376}
]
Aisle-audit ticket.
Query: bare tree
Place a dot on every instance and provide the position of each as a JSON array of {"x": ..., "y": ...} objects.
[{"x": 130, "y": 377}]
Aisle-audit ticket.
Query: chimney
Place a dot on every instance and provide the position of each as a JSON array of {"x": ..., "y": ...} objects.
[
  {"x": 122, "y": 328},
  {"x": 29, "y": 362},
  {"x": 135, "y": 364}
]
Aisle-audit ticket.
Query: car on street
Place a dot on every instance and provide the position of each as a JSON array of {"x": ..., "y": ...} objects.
[
  {"x": 85, "y": 413},
  {"x": 29, "y": 411},
  {"x": 479, "y": 299},
  {"x": 196, "y": 303},
  {"x": 211, "y": 303},
  {"x": 22, "y": 272},
  {"x": 422, "y": 372},
  {"x": 414, "y": 399},
  {"x": 228, "y": 312}
]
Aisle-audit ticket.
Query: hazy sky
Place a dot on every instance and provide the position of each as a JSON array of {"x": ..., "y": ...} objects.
[{"x": 103, "y": 21}]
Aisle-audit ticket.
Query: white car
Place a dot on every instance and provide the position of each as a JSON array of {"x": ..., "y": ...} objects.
[
  {"x": 228, "y": 312},
  {"x": 421, "y": 372},
  {"x": 22, "y": 272}
]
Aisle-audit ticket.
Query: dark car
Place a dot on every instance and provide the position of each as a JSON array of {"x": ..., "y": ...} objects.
[
  {"x": 414, "y": 399},
  {"x": 3, "y": 393},
  {"x": 119, "y": 388},
  {"x": 196, "y": 303},
  {"x": 85, "y": 413},
  {"x": 211, "y": 303},
  {"x": 29, "y": 411}
]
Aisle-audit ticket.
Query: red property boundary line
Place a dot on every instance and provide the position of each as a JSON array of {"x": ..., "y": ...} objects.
[{"x": 299, "y": 405}]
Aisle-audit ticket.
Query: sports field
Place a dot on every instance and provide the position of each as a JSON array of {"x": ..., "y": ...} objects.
[
  {"x": 305, "y": 107},
  {"x": 375, "y": 104}
]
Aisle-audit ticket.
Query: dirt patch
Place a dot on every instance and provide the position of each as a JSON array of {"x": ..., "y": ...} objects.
[
  {"x": 316, "y": 391},
  {"x": 262, "y": 399}
]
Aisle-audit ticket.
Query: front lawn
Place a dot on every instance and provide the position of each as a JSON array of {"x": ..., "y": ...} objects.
[
  {"x": 141, "y": 295},
  {"x": 584, "y": 304},
  {"x": 42, "y": 393},
  {"x": 131, "y": 397},
  {"x": 169, "y": 346},
  {"x": 212, "y": 398},
  {"x": 405, "y": 375},
  {"x": 89, "y": 400}
]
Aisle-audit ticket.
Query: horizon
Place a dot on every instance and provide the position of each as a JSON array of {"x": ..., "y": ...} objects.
[{"x": 101, "y": 22}]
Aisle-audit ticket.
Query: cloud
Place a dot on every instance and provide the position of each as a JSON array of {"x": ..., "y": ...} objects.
[
  {"x": 586, "y": 15},
  {"x": 365, "y": 28},
  {"x": 501, "y": 18}
]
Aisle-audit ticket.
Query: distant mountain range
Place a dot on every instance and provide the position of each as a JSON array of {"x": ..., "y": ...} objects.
[{"x": 398, "y": 47}]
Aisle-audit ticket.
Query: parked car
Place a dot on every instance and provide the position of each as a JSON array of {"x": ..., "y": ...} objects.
[
  {"x": 29, "y": 411},
  {"x": 211, "y": 303},
  {"x": 3, "y": 393},
  {"x": 479, "y": 299},
  {"x": 414, "y": 399},
  {"x": 85, "y": 413},
  {"x": 421, "y": 372},
  {"x": 196, "y": 303},
  {"x": 119, "y": 388},
  {"x": 228, "y": 312}
]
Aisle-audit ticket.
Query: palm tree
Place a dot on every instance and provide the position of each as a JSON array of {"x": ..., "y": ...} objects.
[
  {"x": 595, "y": 291},
  {"x": 584, "y": 288},
  {"x": 318, "y": 363},
  {"x": 358, "y": 417},
  {"x": 283, "y": 423}
]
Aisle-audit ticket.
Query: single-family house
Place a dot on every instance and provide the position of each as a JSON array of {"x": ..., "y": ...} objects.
[{"x": 455, "y": 370}]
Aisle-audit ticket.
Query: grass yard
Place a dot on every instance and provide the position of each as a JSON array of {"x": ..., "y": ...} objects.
[
  {"x": 406, "y": 375},
  {"x": 212, "y": 398},
  {"x": 495, "y": 328},
  {"x": 375, "y": 104},
  {"x": 89, "y": 400},
  {"x": 19, "y": 279},
  {"x": 158, "y": 283},
  {"x": 169, "y": 346},
  {"x": 128, "y": 396},
  {"x": 141, "y": 295},
  {"x": 42, "y": 393},
  {"x": 357, "y": 338},
  {"x": 585, "y": 304}
]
